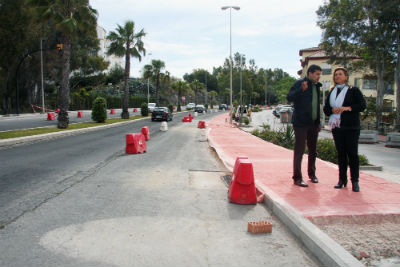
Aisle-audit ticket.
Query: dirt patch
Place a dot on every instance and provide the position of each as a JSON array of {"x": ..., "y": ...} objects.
[{"x": 368, "y": 238}]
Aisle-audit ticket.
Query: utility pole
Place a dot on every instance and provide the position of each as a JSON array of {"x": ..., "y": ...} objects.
[
  {"x": 41, "y": 73},
  {"x": 266, "y": 92}
]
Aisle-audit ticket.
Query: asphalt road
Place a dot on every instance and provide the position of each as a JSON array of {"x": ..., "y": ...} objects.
[
  {"x": 81, "y": 201},
  {"x": 31, "y": 174},
  {"x": 27, "y": 121}
]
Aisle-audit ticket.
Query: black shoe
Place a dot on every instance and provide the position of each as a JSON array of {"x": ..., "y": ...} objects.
[
  {"x": 341, "y": 183},
  {"x": 314, "y": 179},
  {"x": 300, "y": 183},
  {"x": 356, "y": 187}
]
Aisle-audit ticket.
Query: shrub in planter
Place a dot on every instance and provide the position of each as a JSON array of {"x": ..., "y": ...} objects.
[
  {"x": 206, "y": 106},
  {"x": 363, "y": 160},
  {"x": 99, "y": 110},
  {"x": 246, "y": 120},
  {"x": 144, "y": 110},
  {"x": 171, "y": 108}
]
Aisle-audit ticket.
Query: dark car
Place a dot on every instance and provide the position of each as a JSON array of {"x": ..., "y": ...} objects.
[
  {"x": 223, "y": 106},
  {"x": 199, "y": 109},
  {"x": 162, "y": 114}
]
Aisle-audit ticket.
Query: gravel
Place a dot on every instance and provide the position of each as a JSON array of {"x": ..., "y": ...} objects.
[{"x": 374, "y": 240}]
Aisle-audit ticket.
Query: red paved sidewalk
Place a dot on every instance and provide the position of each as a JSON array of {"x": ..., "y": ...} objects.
[{"x": 273, "y": 171}]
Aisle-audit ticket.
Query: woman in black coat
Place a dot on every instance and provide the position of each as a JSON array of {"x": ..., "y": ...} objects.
[{"x": 344, "y": 104}]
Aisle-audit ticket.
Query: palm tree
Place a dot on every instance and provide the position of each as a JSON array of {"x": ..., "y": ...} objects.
[
  {"x": 69, "y": 17},
  {"x": 181, "y": 87},
  {"x": 125, "y": 42},
  {"x": 197, "y": 87},
  {"x": 154, "y": 71},
  {"x": 212, "y": 95}
]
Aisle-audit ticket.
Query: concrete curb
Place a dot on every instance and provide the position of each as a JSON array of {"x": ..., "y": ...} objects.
[
  {"x": 371, "y": 168},
  {"x": 328, "y": 252},
  {"x": 11, "y": 142}
]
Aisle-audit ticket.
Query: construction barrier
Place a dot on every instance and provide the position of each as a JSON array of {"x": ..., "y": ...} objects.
[
  {"x": 135, "y": 143},
  {"x": 51, "y": 116},
  {"x": 80, "y": 114},
  {"x": 164, "y": 126},
  {"x": 242, "y": 189},
  {"x": 112, "y": 111},
  {"x": 135, "y": 110},
  {"x": 146, "y": 133},
  {"x": 187, "y": 119},
  {"x": 57, "y": 110},
  {"x": 201, "y": 124}
]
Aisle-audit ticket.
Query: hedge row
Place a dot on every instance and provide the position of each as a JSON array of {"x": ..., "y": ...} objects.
[{"x": 326, "y": 149}]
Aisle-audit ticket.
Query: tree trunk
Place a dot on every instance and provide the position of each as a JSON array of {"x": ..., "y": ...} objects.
[
  {"x": 380, "y": 66},
  {"x": 125, "y": 103},
  {"x": 157, "y": 89},
  {"x": 179, "y": 100},
  {"x": 63, "y": 119},
  {"x": 397, "y": 80}
]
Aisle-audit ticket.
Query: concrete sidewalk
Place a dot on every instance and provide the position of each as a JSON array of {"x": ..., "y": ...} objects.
[{"x": 273, "y": 171}]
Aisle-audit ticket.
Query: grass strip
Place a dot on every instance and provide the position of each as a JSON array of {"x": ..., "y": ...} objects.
[{"x": 72, "y": 126}]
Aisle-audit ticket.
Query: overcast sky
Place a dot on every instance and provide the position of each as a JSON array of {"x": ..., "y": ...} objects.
[{"x": 188, "y": 34}]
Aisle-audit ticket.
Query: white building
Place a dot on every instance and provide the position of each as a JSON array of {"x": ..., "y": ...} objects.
[{"x": 104, "y": 44}]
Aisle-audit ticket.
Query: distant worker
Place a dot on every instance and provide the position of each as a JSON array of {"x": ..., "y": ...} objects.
[
  {"x": 249, "y": 113},
  {"x": 305, "y": 95},
  {"x": 344, "y": 104}
]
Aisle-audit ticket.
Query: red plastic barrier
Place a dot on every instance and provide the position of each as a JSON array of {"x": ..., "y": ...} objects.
[
  {"x": 135, "y": 110},
  {"x": 187, "y": 119},
  {"x": 112, "y": 111},
  {"x": 146, "y": 133},
  {"x": 57, "y": 110},
  {"x": 51, "y": 116},
  {"x": 242, "y": 189},
  {"x": 201, "y": 124},
  {"x": 80, "y": 114},
  {"x": 135, "y": 143}
]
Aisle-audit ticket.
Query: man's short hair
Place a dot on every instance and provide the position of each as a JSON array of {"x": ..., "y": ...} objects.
[{"x": 313, "y": 68}]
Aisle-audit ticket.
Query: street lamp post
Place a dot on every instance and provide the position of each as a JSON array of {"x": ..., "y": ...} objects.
[
  {"x": 230, "y": 48},
  {"x": 241, "y": 94},
  {"x": 148, "y": 91}
]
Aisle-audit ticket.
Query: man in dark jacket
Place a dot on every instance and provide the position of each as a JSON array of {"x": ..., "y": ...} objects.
[{"x": 305, "y": 95}]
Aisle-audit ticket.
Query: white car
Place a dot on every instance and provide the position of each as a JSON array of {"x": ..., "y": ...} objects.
[
  {"x": 190, "y": 106},
  {"x": 151, "y": 107}
]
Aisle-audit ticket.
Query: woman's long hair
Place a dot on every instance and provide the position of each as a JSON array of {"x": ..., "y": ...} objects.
[{"x": 346, "y": 73}]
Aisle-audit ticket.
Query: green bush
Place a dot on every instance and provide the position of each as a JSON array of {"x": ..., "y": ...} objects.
[
  {"x": 246, "y": 120},
  {"x": 255, "y": 109},
  {"x": 326, "y": 150},
  {"x": 144, "y": 110},
  {"x": 206, "y": 106},
  {"x": 284, "y": 137},
  {"x": 363, "y": 160},
  {"x": 99, "y": 110},
  {"x": 171, "y": 108}
]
